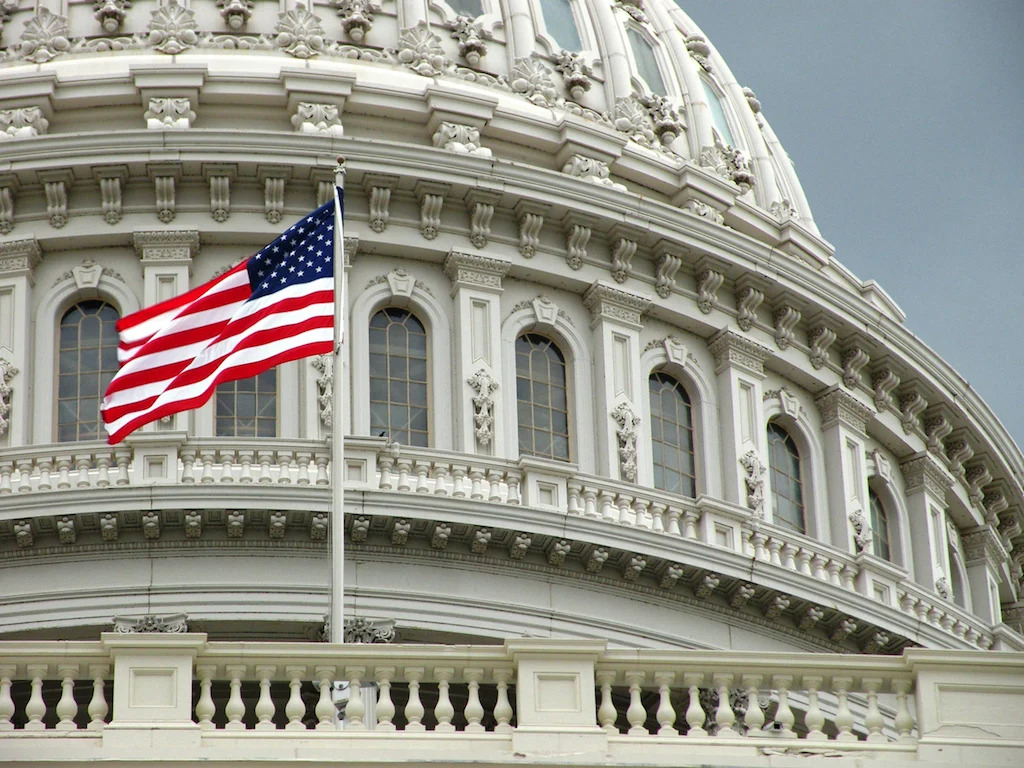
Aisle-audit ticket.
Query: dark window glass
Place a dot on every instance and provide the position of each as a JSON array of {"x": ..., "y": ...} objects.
[
  {"x": 646, "y": 62},
  {"x": 672, "y": 436},
  {"x": 248, "y": 407},
  {"x": 880, "y": 542},
  {"x": 542, "y": 398},
  {"x": 86, "y": 362},
  {"x": 560, "y": 23},
  {"x": 787, "y": 488},
  {"x": 471, "y": 8},
  {"x": 399, "y": 405}
]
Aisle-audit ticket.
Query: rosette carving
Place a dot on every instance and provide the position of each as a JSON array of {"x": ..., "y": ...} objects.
[
  {"x": 172, "y": 28},
  {"x": 420, "y": 50},
  {"x": 298, "y": 33},
  {"x": 530, "y": 78},
  {"x": 45, "y": 37}
]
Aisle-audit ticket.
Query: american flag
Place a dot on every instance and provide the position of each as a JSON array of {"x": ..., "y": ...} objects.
[{"x": 273, "y": 307}]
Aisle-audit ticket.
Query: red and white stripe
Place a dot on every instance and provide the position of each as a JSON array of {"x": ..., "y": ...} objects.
[{"x": 174, "y": 354}]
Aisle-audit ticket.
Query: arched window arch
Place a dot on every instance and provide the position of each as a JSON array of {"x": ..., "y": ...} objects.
[
  {"x": 561, "y": 24},
  {"x": 672, "y": 435},
  {"x": 542, "y": 397},
  {"x": 881, "y": 535},
  {"x": 247, "y": 407},
  {"x": 786, "y": 481},
  {"x": 718, "y": 117},
  {"x": 471, "y": 8},
  {"x": 646, "y": 61},
  {"x": 957, "y": 578},
  {"x": 87, "y": 361},
  {"x": 399, "y": 404}
]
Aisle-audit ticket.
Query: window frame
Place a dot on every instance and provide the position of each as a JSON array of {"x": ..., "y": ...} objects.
[
  {"x": 661, "y": 60},
  {"x": 277, "y": 370},
  {"x": 428, "y": 383},
  {"x": 777, "y": 520},
  {"x": 731, "y": 121},
  {"x": 583, "y": 30},
  {"x": 691, "y": 405},
  {"x": 566, "y": 363},
  {"x": 57, "y": 372}
]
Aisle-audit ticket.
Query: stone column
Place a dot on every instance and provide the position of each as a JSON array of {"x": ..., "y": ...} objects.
[
  {"x": 476, "y": 290},
  {"x": 925, "y": 485},
  {"x": 739, "y": 368},
  {"x": 17, "y": 260},
  {"x": 843, "y": 428},
  {"x": 985, "y": 560},
  {"x": 618, "y": 384},
  {"x": 166, "y": 267}
]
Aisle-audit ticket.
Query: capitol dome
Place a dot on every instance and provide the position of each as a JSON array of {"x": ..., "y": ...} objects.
[{"x": 608, "y": 388}]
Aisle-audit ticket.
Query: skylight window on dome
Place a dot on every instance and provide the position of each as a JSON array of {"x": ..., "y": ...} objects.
[
  {"x": 560, "y": 23},
  {"x": 718, "y": 114},
  {"x": 472, "y": 8},
  {"x": 646, "y": 61}
]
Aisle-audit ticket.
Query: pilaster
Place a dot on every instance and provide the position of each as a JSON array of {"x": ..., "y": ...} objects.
[
  {"x": 925, "y": 483},
  {"x": 984, "y": 558},
  {"x": 739, "y": 372},
  {"x": 616, "y": 325},
  {"x": 17, "y": 262},
  {"x": 476, "y": 290}
]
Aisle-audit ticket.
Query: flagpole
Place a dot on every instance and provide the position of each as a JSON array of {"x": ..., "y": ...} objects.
[{"x": 336, "y": 614}]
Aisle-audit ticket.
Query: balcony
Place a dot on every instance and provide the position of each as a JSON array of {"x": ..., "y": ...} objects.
[{"x": 143, "y": 695}]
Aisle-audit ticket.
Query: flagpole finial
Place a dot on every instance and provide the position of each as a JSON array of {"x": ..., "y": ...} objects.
[{"x": 339, "y": 172}]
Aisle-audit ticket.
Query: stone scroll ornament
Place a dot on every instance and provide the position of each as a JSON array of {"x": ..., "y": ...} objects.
[
  {"x": 626, "y": 432},
  {"x": 483, "y": 405},
  {"x": 754, "y": 472}
]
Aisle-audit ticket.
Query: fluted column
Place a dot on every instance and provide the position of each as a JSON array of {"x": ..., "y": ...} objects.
[
  {"x": 985, "y": 560},
  {"x": 925, "y": 484},
  {"x": 476, "y": 290},
  {"x": 618, "y": 381},
  {"x": 843, "y": 431},
  {"x": 17, "y": 260},
  {"x": 739, "y": 368}
]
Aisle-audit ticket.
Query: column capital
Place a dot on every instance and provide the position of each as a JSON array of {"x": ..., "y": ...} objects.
[
  {"x": 19, "y": 257},
  {"x": 174, "y": 246},
  {"x": 922, "y": 472},
  {"x": 608, "y": 303},
  {"x": 730, "y": 349},
  {"x": 837, "y": 406},
  {"x": 983, "y": 544},
  {"x": 470, "y": 270}
]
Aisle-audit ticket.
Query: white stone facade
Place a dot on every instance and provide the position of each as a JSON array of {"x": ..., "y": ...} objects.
[{"x": 497, "y": 185}]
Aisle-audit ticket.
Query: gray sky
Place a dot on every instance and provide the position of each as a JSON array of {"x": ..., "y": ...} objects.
[{"x": 905, "y": 121}]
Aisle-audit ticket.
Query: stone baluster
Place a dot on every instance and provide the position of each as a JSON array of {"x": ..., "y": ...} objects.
[
  {"x": 606, "y": 714},
  {"x": 753, "y": 718},
  {"x": 83, "y": 462},
  {"x": 385, "y": 706},
  {"x": 494, "y": 478},
  {"x": 227, "y": 465},
  {"x": 6, "y": 469},
  {"x": 636, "y": 715},
  {"x": 690, "y": 518},
  {"x": 188, "y": 463},
  {"x": 695, "y": 715},
  {"x": 45, "y": 468},
  {"x": 814, "y": 719},
  {"x": 657, "y": 510},
  {"x": 848, "y": 578},
  {"x": 355, "y": 710},
  {"x": 265, "y": 459},
  {"x": 207, "y": 457},
  {"x": 844, "y": 717},
  {"x": 625, "y": 515},
  {"x": 303, "y": 460},
  {"x": 103, "y": 461},
  {"x": 123, "y": 457},
  {"x": 265, "y": 705},
  {"x": 63, "y": 472},
  {"x": 513, "y": 479},
  {"x": 477, "y": 477},
  {"x": 589, "y": 502},
  {"x": 904, "y": 721},
  {"x": 502, "y": 707},
  {"x": 24, "y": 475},
  {"x": 440, "y": 476},
  {"x": 235, "y": 707},
  {"x": 873, "y": 717},
  {"x": 285, "y": 462},
  {"x": 422, "y": 468},
  {"x": 35, "y": 709},
  {"x": 725, "y": 718},
  {"x": 386, "y": 463},
  {"x": 98, "y": 707},
  {"x": 775, "y": 551},
  {"x": 295, "y": 709},
  {"x": 6, "y": 702},
  {"x": 818, "y": 567},
  {"x": 783, "y": 713},
  {"x": 574, "y": 506},
  {"x": 404, "y": 472},
  {"x": 759, "y": 550},
  {"x": 245, "y": 459},
  {"x": 324, "y": 709},
  {"x": 834, "y": 567},
  {"x": 414, "y": 707},
  {"x": 67, "y": 707},
  {"x": 444, "y": 711},
  {"x": 609, "y": 512},
  {"x": 666, "y": 714},
  {"x": 474, "y": 711},
  {"x": 205, "y": 709},
  {"x": 458, "y": 474},
  {"x": 803, "y": 562},
  {"x": 322, "y": 460},
  {"x": 640, "y": 513}
]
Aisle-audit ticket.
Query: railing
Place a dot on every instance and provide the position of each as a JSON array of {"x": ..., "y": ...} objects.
[
  {"x": 156, "y": 460},
  {"x": 691, "y": 699}
]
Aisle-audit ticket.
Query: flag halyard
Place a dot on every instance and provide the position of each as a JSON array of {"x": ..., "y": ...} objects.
[{"x": 275, "y": 307}]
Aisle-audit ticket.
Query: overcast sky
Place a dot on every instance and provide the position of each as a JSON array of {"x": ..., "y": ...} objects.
[{"x": 905, "y": 121}]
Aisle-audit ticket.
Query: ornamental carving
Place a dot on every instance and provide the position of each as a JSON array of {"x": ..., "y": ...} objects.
[
  {"x": 6, "y": 209},
  {"x": 356, "y": 17},
  {"x": 728, "y": 162},
  {"x": 317, "y": 118},
  {"x": 634, "y": 8},
  {"x": 324, "y": 364},
  {"x": 7, "y": 372},
  {"x": 668, "y": 125},
  {"x": 626, "y": 423},
  {"x": 633, "y": 119},
  {"x": 461, "y": 139},
  {"x": 420, "y": 50},
  {"x": 484, "y": 388},
  {"x": 708, "y": 283},
  {"x": 589, "y": 169},
  {"x": 369, "y": 631},
  {"x": 783, "y": 210},
  {"x": 623, "y": 251},
  {"x": 820, "y": 339},
  {"x": 699, "y": 49},
  {"x": 110, "y": 13},
  {"x": 298, "y": 33},
  {"x": 471, "y": 36},
  {"x": 883, "y": 382},
  {"x": 665, "y": 270},
  {"x": 530, "y": 78},
  {"x": 576, "y": 73},
  {"x": 178, "y": 623},
  {"x": 861, "y": 530},
  {"x": 45, "y": 37},
  {"x": 7, "y": 9},
  {"x": 22, "y": 122},
  {"x": 235, "y": 13},
  {"x": 172, "y": 28},
  {"x": 169, "y": 113},
  {"x": 753, "y": 476},
  {"x": 854, "y": 359},
  {"x": 607, "y": 303},
  {"x": 703, "y": 210},
  {"x": 748, "y": 299}
]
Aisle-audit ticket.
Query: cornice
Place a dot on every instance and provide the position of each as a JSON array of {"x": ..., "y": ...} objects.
[
  {"x": 608, "y": 303},
  {"x": 922, "y": 472},
  {"x": 470, "y": 270},
  {"x": 837, "y": 406},
  {"x": 730, "y": 349}
]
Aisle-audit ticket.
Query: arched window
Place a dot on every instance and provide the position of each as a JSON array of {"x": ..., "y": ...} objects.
[
  {"x": 881, "y": 542},
  {"x": 646, "y": 62},
  {"x": 957, "y": 578},
  {"x": 471, "y": 8},
  {"x": 399, "y": 407},
  {"x": 560, "y": 23},
  {"x": 248, "y": 407},
  {"x": 718, "y": 117},
  {"x": 672, "y": 436},
  {"x": 787, "y": 488},
  {"x": 542, "y": 398},
  {"x": 87, "y": 361}
]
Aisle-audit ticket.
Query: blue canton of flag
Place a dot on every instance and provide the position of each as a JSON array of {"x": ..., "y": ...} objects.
[{"x": 301, "y": 254}]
